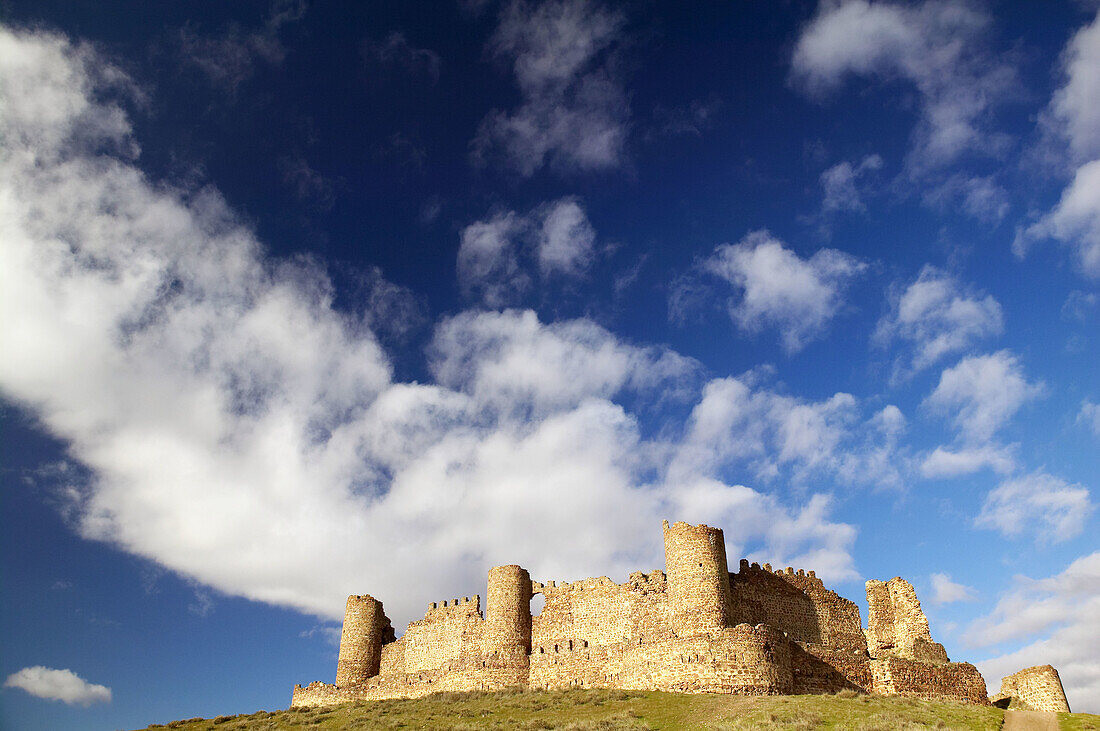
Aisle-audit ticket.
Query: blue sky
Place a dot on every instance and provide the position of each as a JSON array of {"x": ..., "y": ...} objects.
[{"x": 305, "y": 300}]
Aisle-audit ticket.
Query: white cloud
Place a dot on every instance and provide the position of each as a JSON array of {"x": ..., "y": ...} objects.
[
  {"x": 738, "y": 422},
  {"x": 240, "y": 430},
  {"x": 939, "y": 46},
  {"x": 981, "y": 197},
  {"x": 575, "y": 113},
  {"x": 937, "y": 316},
  {"x": 1076, "y": 105},
  {"x": 488, "y": 261},
  {"x": 496, "y": 256},
  {"x": 1040, "y": 504},
  {"x": 946, "y": 591},
  {"x": 777, "y": 288},
  {"x": 1075, "y": 220},
  {"x": 944, "y": 462},
  {"x": 1059, "y": 618},
  {"x": 58, "y": 685},
  {"x": 1089, "y": 416},
  {"x": 839, "y": 184},
  {"x": 566, "y": 239},
  {"x": 983, "y": 393}
]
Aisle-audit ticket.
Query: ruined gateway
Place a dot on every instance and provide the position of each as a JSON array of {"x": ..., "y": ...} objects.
[{"x": 695, "y": 629}]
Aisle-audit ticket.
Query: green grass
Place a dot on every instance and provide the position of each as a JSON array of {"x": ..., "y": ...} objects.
[{"x": 583, "y": 710}]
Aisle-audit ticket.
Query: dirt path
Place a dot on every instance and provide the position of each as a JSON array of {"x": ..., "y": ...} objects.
[{"x": 1030, "y": 721}]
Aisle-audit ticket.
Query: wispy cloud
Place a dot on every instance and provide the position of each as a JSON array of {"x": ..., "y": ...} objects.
[
  {"x": 575, "y": 113},
  {"x": 229, "y": 57},
  {"x": 498, "y": 258},
  {"x": 941, "y": 47},
  {"x": 936, "y": 316},
  {"x": 946, "y": 591},
  {"x": 397, "y": 53},
  {"x": 1040, "y": 505}
]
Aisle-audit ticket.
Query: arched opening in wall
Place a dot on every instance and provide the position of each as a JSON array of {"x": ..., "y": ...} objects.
[{"x": 538, "y": 601}]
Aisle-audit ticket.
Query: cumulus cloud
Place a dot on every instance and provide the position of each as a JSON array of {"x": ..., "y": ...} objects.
[
  {"x": 739, "y": 422},
  {"x": 938, "y": 46},
  {"x": 838, "y": 184},
  {"x": 574, "y": 114},
  {"x": 496, "y": 257},
  {"x": 937, "y": 316},
  {"x": 239, "y": 429},
  {"x": 1048, "y": 507},
  {"x": 1075, "y": 219},
  {"x": 1059, "y": 620},
  {"x": 58, "y": 685},
  {"x": 229, "y": 58},
  {"x": 982, "y": 393},
  {"x": 778, "y": 289},
  {"x": 946, "y": 591}
]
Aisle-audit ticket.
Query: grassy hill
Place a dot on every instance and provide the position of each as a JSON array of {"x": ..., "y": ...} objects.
[{"x": 611, "y": 709}]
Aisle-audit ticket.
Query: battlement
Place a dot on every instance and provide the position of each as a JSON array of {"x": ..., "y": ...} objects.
[
  {"x": 802, "y": 577},
  {"x": 693, "y": 627},
  {"x": 469, "y": 605}
]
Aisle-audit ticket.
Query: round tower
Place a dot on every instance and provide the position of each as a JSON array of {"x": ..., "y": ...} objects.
[
  {"x": 508, "y": 624},
  {"x": 360, "y": 640},
  {"x": 698, "y": 578}
]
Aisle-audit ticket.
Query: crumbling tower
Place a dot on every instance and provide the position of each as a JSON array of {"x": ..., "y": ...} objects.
[
  {"x": 366, "y": 628},
  {"x": 508, "y": 624},
  {"x": 896, "y": 626},
  {"x": 698, "y": 578}
]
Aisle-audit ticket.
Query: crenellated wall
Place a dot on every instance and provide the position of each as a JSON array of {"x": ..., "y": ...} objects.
[
  {"x": 696, "y": 629},
  {"x": 798, "y": 602}
]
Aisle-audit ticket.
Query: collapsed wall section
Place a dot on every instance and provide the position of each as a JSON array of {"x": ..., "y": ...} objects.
[
  {"x": 1039, "y": 687},
  {"x": 958, "y": 681}
]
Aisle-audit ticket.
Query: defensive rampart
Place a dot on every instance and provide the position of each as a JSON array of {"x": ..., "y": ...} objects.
[{"x": 693, "y": 628}]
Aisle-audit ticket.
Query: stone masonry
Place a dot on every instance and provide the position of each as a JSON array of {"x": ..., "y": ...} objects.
[
  {"x": 696, "y": 629},
  {"x": 1038, "y": 687}
]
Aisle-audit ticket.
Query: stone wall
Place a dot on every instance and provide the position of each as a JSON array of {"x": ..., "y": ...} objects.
[
  {"x": 449, "y": 632},
  {"x": 1039, "y": 687},
  {"x": 698, "y": 629},
  {"x": 896, "y": 625},
  {"x": 798, "y": 602},
  {"x": 958, "y": 681},
  {"x": 601, "y": 612}
]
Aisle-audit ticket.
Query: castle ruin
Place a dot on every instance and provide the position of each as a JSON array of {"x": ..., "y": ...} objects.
[
  {"x": 693, "y": 628},
  {"x": 1039, "y": 688}
]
